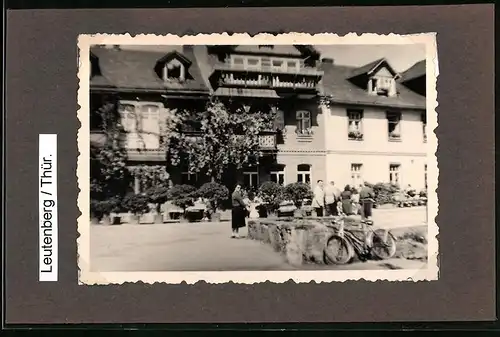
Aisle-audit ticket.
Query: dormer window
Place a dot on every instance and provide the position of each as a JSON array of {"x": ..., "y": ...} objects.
[
  {"x": 174, "y": 70},
  {"x": 382, "y": 86}
]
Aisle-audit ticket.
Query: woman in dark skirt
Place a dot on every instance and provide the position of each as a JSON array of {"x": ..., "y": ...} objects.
[
  {"x": 238, "y": 212},
  {"x": 345, "y": 196}
]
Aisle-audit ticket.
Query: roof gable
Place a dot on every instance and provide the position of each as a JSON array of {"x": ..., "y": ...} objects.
[{"x": 373, "y": 68}]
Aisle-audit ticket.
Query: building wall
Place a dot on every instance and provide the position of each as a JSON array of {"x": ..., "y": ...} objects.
[{"x": 375, "y": 152}]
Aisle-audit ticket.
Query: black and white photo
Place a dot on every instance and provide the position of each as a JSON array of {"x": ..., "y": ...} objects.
[{"x": 224, "y": 158}]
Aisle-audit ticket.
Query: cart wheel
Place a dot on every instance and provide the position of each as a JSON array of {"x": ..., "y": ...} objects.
[
  {"x": 338, "y": 250},
  {"x": 382, "y": 249}
]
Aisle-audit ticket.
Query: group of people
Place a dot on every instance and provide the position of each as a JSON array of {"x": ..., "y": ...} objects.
[{"x": 329, "y": 200}]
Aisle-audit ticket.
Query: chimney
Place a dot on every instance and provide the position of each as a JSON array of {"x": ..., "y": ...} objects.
[{"x": 327, "y": 60}]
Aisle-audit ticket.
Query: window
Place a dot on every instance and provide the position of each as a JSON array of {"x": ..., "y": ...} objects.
[
  {"x": 292, "y": 65},
  {"x": 304, "y": 123},
  {"x": 355, "y": 129},
  {"x": 277, "y": 64},
  {"x": 253, "y": 62},
  {"x": 383, "y": 86},
  {"x": 174, "y": 70},
  {"x": 424, "y": 126},
  {"x": 394, "y": 177},
  {"x": 278, "y": 177},
  {"x": 251, "y": 179},
  {"x": 128, "y": 117},
  {"x": 394, "y": 125},
  {"x": 150, "y": 126},
  {"x": 356, "y": 175},
  {"x": 238, "y": 60},
  {"x": 189, "y": 178},
  {"x": 304, "y": 173}
]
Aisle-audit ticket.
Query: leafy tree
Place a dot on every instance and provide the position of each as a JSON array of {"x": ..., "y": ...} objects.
[
  {"x": 228, "y": 137},
  {"x": 215, "y": 193},
  {"x": 158, "y": 195},
  {"x": 108, "y": 172},
  {"x": 136, "y": 204},
  {"x": 182, "y": 195}
]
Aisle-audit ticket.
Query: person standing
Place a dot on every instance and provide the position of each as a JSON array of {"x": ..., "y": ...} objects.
[
  {"x": 332, "y": 195},
  {"x": 367, "y": 198},
  {"x": 238, "y": 211},
  {"x": 318, "y": 201},
  {"x": 346, "y": 201}
]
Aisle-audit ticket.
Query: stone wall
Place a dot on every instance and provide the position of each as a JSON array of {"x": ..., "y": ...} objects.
[{"x": 304, "y": 240}]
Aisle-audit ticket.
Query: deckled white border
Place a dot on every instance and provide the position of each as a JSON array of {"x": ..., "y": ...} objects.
[{"x": 249, "y": 277}]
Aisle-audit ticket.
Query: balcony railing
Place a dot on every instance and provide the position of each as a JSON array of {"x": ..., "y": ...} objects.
[
  {"x": 271, "y": 70},
  {"x": 267, "y": 142}
]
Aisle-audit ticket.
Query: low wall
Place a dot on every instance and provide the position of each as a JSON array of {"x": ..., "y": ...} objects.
[{"x": 304, "y": 240}]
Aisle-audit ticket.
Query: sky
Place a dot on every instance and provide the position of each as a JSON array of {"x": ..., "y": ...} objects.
[{"x": 400, "y": 57}]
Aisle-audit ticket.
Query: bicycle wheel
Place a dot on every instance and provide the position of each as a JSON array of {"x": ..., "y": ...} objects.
[
  {"x": 380, "y": 249},
  {"x": 338, "y": 250}
]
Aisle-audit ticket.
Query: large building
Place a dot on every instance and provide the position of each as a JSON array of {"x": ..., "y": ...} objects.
[{"x": 337, "y": 123}]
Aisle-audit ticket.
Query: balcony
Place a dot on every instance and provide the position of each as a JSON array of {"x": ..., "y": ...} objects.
[
  {"x": 146, "y": 154},
  {"x": 267, "y": 141},
  {"x": 266, "y": 77}
]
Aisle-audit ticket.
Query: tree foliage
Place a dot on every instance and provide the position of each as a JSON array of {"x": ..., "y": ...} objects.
[
  {"x": 272, "y": 194},
  {"x": 108, "y": 171},
  {"x": 215, "y": 193},
  {"x": 227, "y": 136},
  {"x": 182, "y": 195},
  {"x": 297, "y": 192}
]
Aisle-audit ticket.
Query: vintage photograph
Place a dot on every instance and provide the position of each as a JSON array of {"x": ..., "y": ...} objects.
[{"x": 224, "y": 158}]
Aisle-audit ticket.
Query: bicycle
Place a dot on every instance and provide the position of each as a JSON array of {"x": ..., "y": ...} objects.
[{"x": 375, "y": 243}]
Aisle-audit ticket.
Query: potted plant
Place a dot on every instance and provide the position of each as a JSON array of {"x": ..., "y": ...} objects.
[
  {"x": 214, "y": 194},
  {"x": 297, "y": 192},
  {"x": 272, "y": 194},
  {"x": 158, "y": 195},
  {"x": 137, "y": 205},
  {"x": 182, "y": 196},
  {"x": 101, "y": 210}
]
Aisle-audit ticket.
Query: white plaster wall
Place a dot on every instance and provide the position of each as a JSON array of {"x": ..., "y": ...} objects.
[{"x": 375, "y": 152}]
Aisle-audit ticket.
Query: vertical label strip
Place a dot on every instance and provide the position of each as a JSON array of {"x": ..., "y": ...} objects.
[{"x": 47, "y": 203}]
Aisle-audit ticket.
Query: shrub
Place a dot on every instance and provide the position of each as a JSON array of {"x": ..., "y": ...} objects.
[
  {"x": 136, "y": 204},
  {"x": 384, "y": 192},
  {"x": 423, "y": 193},
  {"x": 182, "y": 195},
  {"x": 99, "y": 208},
  {"x": 158, "y": 195},
  {"x": 297, "y": 192},
  {"x": 215, "y": 193},
  {"x": 272, "y": 194}
]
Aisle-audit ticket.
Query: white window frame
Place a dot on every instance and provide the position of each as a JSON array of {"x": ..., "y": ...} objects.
[
  {"x": 245, "y": 59},
  {"x": 398, "y": 125},
  {"x": 250, "y": 174},
  {"x": 182, "y": 70},
  {"x": 278, "y": 174},
  {"x": 304, "y": 174},
  {"x": 355, "y": 121},
  {"x": 395, "y": 173},
  {"x": 137, "y": 120},
  {"x": 301, "y": 117},
  {"x": 356, "y": 174}
]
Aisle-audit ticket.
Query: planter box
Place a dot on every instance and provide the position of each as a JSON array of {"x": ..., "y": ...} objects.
[
  {"x": 215, "y": 217},
  {"x": 158, "y": 218},
  {"x": 106, "y": 220}
]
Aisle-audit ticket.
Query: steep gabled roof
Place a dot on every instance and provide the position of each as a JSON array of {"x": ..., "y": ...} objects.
[
  {"x": 135, "y": 70},
  {"x": 339, "y": 89},
  {"x": 415, "y": 71},
  {"x": 370, "y": 68}
]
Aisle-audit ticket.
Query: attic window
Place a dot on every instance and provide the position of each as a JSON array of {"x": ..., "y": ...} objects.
[
  {"x": 173, "y": 70},
  {"x": 382, "y": 86}
]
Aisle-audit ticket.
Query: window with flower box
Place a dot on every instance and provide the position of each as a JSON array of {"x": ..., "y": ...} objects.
[
  {"x": 355, "y": 124},
  {"x": 394, "y": 125}
]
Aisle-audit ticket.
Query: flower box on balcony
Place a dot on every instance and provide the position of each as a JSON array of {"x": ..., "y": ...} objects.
[{"x": 355, "y": 135}]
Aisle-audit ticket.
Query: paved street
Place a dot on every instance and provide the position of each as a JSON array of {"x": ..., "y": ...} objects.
[{"x": 203, "y": 246}]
